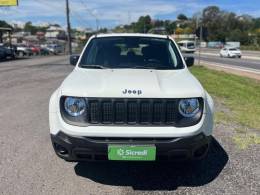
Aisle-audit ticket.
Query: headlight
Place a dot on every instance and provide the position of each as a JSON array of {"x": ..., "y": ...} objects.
[
  {"x": 75, "y": 106},
  {"x": 189, "y": 107}
]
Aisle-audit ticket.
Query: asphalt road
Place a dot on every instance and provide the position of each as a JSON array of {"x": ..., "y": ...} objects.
[
  {"x": 28, "y": 164},
  {"x": 241, "y": 63},
  {"x": 246, "y": 53},
  {"x": 249, "y": 60}
]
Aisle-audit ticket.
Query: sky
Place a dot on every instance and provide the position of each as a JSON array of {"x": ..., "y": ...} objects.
[{"x": 110, "y": 13}]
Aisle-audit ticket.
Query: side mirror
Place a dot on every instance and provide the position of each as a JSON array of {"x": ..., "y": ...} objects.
[
  {"x": 189, "y": 61},
  {"x": 74, "y": 59}
]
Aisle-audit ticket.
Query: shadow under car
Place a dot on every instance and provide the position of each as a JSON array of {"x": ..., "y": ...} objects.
[{"x": 157, "y": 175}]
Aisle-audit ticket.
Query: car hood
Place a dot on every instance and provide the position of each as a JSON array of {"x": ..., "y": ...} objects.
[{"x": 138, "y": 83}]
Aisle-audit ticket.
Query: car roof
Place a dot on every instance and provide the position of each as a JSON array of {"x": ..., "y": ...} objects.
[{"x": 131, "y": 35}]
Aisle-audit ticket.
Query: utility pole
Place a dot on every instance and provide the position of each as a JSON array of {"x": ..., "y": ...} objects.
[
  {"x": 68, "y": 27},
  {"x": 97, "y": 24},
  {"x": 197, "y": 26},
  {"x": 199, "y": 22},
  {"x": 128, "y": 20},
  {"x": 128, "y": 17},
  {"x": 201, "y": 31}
]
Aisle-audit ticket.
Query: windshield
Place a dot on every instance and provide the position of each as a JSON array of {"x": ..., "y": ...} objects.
[
  {"x": 190, "y": 45},
  {"x": 233, "y": 49},
  {"x": 131, "y": 52}
]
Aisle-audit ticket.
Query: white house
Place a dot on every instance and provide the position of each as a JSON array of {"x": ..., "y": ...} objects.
[{"x": 55, "y": 32}]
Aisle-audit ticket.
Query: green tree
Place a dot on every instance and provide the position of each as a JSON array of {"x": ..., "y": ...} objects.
[
  {"x": 256, "y": 23},
  {"x": 221, "y": 25},
  {"x": 28, "y": 27},
  {"x": 179, "y": 31},
  {"x": 182, "y": 17},
  {"x": 212, "y": 20},
  {"x": 4, "y": 24},
  {"x": 103, "y": 30},
  {"x": 143, "y": 25},
  {"x": 170, "y": 26},
  {"x": 158, "y": 23},
  {"x": 187, "y": 30}
]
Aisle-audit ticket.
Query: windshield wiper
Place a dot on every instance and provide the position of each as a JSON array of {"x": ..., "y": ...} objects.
[
  {"x": 143, "y": 67},
  {"x": 93, "y": 66},
  {"x": 152, "y": 67}
]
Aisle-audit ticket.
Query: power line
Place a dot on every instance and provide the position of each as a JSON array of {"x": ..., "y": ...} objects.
[
  {"x": 87, "y": 9},
  {"x": 91, "y": 13},
  {"x": 74, "y": 14},
  {"x": 79, "y": 18}
]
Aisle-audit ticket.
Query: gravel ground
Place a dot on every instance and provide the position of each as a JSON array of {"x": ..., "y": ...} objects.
[{"x": 28, "y": 164}]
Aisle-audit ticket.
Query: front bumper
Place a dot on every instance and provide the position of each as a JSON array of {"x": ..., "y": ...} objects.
[
  {"x": 80, "y": 148},
  {"x": 235, "y": 55}
]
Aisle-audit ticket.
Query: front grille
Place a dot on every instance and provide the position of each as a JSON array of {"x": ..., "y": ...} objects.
[{"x": 132, "y": 111}]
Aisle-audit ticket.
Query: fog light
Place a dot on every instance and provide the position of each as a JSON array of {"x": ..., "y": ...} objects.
[{"x": 60, "y": 149}]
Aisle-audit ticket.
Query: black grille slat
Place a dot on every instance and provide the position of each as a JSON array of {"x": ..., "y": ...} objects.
[
  {"x": 170, "y": 112},
  {"x": 131, "y": 111},
  {"x": 94, "y": 112},
  {"x": 120, "y": 112},
  {"x": 145, "y": 112},
  {"x": 158, "y": 112},
  {"x": 107, "y": 112}
]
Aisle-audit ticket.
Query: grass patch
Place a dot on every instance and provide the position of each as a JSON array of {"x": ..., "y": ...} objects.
[
  {"x": 240, "y": 94},
  {"x": 241, "y": 97},
  {"x": 241, "y": 130},
  {"x": 250, "y": 47},
  {"x": 221, "y": 117},
  {"x": 245, "y": 140}
]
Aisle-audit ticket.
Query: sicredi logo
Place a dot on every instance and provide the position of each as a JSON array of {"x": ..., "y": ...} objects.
[{"x": 122, "y": 152}]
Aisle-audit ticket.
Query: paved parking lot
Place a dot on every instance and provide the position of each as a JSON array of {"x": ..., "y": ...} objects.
[{"x": 28, "y": 164}]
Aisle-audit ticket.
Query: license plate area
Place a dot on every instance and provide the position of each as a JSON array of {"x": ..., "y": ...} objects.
[{"x": 132, "y": 152}]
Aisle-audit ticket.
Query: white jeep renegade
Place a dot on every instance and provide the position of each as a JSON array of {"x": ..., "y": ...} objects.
[{"x": 130, "y": 97}]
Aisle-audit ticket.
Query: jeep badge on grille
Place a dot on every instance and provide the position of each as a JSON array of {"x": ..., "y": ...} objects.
[{"x": 128, "y": 91}]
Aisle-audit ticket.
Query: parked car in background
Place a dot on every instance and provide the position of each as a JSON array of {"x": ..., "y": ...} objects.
[
  {"x": 230, "y": 52},
  {"x": 12, "y": 49},
  {"x": 55, "y": 49},
  {"x": 6, "y": 52},
  {"x": 23, "y": 50},
  {"x": 35, "y": 50},
  {"x": 187, "y": 46},
  {"x": 44, "y": 51},
  {"x": 2, "y": 54}
]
